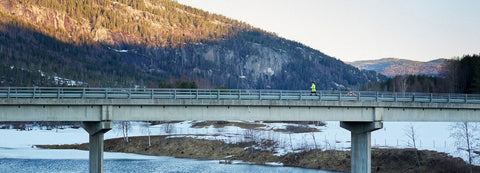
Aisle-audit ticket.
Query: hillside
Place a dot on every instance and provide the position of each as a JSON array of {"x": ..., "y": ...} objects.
[
  {"x": 147, "y": 43},
  {"x": 395, "y": 66}
]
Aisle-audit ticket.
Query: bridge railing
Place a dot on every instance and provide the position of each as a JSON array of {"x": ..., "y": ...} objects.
[{"x": 231, "y": 94}]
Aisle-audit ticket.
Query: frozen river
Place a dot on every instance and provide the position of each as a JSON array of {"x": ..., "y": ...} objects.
[
  {"x": 157, "y": 164},
  {"x": 17, "y": 153}
]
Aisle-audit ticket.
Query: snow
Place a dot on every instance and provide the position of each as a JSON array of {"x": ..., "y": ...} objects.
[
  {"x": 269, "y": 71},
  {"x": 20, "y": 145},
  {"x": 61, "y": 81},
  {"x": 119, "y": 50},
  {"x": 41, "y": 73},
  {"x": 273, "y": 164},
  {"x": 430, "y": 136}
]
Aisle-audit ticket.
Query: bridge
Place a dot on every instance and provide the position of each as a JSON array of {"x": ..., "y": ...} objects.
[{"x": 360, "y": 112}]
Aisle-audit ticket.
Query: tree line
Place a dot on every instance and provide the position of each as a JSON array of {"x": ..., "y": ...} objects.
[
  {"x": 160, "y": 22},
  {"x": 458, "y": 75}
]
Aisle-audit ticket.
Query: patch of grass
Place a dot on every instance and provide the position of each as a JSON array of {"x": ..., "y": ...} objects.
[
  {"x": 298, "y": 129},
  {"x": 316, "y": 123},
  {"x": 221, "y": 124}
]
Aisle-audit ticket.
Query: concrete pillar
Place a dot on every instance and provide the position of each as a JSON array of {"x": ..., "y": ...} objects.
[
  {"x": 96, "y": 129},
  {"x": 361, "y": 158}
]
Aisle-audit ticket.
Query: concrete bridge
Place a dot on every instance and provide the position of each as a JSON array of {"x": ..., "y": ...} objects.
[{"x": 359, "y": 112}]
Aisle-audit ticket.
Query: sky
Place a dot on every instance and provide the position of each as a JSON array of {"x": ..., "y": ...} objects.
[{"x": 352, "y": 30}]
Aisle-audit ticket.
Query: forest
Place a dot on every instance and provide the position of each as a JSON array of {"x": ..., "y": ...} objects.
[
  {"x": 154, "y": 43},
  {"x": 458, "y": 75}
]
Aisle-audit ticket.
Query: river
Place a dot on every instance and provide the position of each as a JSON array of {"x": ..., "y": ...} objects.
[
  {"x": 18, "y": 154},
  {"x": 121, "y": 162}
]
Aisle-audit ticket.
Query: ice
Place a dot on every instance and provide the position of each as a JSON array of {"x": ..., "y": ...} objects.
[{"x": 430, "y": 136}]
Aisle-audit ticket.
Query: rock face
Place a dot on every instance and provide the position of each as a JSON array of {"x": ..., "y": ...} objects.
[
  {"x": 246, "y": 63},
  {"x": 149, "y": 42}
]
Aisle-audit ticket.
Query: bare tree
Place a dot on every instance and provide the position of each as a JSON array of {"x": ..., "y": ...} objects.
[
  {"x": 250, "y": 136},
  {"x": 146, "y": 127},
  {"x": 291, "y": 144},
  {"x": 125, "y": 127},
  {"x": 466, "y": 135},
  {"x": 168, "y": 127},
  {"x": 412, "y": 135},
  {"x": 316, "y": 149}
]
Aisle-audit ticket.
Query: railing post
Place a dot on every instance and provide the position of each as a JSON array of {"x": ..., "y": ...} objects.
[
  {"x": 339, "y": 95},
  {"x": 320, "y": 96},
  {"x": 197, "y": 94},
  {"x": 58, "y": 93},
  {"x": 129, "y": 93},
  {"x": 431, "y": 97},
  {"x": 152, "y": 93},
  {"x": 174, "y": 93},
  {"x": 395, "y": 97},
  {"x": 358, "y": 96},
  {"x": 106, "y": 93},
  {"x": 218, "y": 94},
  {"x": 83, "y": 93},
  {"x": 34, "y": 89},
  {"x": 466, "y": 98},
  {"x": 260, "y": 94},
  {"x": 300, "y": 92},
  {"x": 376, "y": 96},
  {"x": 8, "y": 93},
  {"x": 448, "y": 99},
  {"x": 281, "y": 95},
  {"x": 239, "y": 96}
]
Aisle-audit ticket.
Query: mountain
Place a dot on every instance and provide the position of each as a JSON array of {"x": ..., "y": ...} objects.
[
  {"x": 148, "y": 43},
  {"x": 395, "y": 66}
]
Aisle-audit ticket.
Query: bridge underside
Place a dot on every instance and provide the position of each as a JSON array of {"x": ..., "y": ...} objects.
[{"x": 246, "y": 110}]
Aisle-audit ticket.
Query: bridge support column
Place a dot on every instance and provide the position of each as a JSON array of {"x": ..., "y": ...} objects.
[
  {"x": 361, "y": 159},
  {"x": 96, "y": 129}
]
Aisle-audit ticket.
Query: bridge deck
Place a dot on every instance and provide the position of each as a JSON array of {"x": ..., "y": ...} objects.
[
  {"x": 119, "y": 104},
  {"x": 232, "y": 94}
]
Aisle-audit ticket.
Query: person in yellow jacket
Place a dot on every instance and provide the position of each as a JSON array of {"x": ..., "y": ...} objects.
[{"x": 314, "y": 90}]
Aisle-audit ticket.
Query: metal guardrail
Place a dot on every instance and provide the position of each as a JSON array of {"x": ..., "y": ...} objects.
[{"x": 231, "y": 94}]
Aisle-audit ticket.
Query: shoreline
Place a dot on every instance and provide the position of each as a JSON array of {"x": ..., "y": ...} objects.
[{"x": 383, "y": 160}]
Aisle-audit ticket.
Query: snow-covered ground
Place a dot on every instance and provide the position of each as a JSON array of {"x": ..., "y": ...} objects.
[{"x": 430, "y": 136}]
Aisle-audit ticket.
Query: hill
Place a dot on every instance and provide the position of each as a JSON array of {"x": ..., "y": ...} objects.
[
  {"x": 395, "y": 66},
  {"x": 152, "y": 43}
]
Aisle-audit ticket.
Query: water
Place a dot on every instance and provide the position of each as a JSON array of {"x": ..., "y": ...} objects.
[
  {"x": 18, "y": 154},
  {"x": 160, "y": 164}
]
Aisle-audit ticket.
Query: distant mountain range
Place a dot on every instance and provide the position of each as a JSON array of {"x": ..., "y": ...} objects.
[
  {"x": 148, "y": 43},
  {"x": 396, "y": 66}
]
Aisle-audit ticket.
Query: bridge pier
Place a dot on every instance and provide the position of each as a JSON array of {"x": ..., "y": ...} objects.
[
  {"x": 361, "y": 159},
  {"x": 96, "y": 129}
]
